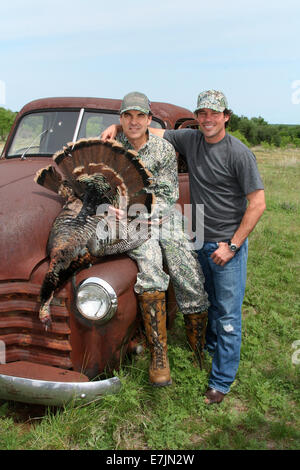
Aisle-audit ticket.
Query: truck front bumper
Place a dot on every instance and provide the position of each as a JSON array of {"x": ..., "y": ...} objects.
[{"x": 55, "y": 393}]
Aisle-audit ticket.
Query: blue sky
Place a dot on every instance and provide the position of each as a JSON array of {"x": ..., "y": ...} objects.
[{"x": 169, "y": 49}]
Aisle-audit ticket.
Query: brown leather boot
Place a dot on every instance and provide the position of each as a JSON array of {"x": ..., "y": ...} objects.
[
  {"x": 153, "y": 308},
  {"x": 195, "y": 325}
]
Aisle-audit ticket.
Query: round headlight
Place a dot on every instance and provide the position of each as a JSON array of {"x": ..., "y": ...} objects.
[{"x": 96, "y": 299}]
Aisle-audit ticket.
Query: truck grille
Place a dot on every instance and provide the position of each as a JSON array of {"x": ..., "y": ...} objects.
[{"x": 22, "y": 332}]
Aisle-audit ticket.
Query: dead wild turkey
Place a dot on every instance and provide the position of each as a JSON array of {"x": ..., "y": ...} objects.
[{"x": 95, "y": 173}]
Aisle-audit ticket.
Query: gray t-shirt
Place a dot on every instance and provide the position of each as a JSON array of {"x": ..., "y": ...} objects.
[{"x": 221, "y": 175}]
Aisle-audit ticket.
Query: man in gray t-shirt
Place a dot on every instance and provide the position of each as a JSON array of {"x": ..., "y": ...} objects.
[
  {"x": 221, "y": 175},
  {"x": 224, "y": 179}
]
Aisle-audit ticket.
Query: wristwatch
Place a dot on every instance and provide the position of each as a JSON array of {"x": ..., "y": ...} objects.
[{"x": 233, "y": 247}]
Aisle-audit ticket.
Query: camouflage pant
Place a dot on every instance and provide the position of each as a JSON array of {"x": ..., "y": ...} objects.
[{"x": 185, "y": 272}]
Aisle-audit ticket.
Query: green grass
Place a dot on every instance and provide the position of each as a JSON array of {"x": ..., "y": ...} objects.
[{"x": 262, "y": 409}]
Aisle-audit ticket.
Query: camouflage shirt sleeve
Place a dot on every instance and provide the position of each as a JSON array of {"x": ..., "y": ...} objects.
[
  {"x": 164, "y": 170},
  {"x": 159, "y": 157}
]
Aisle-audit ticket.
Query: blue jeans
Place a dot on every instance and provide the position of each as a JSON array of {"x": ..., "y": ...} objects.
[{"x": 225, "y": 286}]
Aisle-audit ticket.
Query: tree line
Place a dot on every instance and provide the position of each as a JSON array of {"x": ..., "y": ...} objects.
[
  {"x": 7, "y": 118},
  {"x": 256, "y": 131},
  {"x": 253, "y": 131}
]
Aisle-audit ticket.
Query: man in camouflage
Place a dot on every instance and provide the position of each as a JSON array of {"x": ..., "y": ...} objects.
[{"x": 172, "y": 245}]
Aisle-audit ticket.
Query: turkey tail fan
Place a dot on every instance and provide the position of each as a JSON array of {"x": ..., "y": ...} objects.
[
  {"x": 93, "y": 150},
  {"x": 127, "y": 188},
  {"x": 86, "y": 151},
  {"x": 115, "y": 182},
  {"x": 63, "y": 159},
  {"x": 112, "y": 154},
  {"x": 121, "y": 168},
  {"x": 79, "y": 157},
  {"x": 49, "y": 178}
]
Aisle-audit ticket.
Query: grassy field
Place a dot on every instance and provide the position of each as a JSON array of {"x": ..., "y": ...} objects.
[{"x": 262, "y": 410}]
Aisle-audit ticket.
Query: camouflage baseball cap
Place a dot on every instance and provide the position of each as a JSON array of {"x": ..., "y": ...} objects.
[
  {"x": 137, "y": 101},
  {"x": 212, "y": 99}
]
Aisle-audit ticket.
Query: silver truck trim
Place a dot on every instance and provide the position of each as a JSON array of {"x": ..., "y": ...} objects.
[{"x": 44, "y": 392}]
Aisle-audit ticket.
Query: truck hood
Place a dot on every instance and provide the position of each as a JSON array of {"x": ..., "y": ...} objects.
[{"x": 27, "y": 212}]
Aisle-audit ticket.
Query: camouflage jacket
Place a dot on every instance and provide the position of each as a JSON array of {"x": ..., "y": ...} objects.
[{"x": 159, "y": 157}]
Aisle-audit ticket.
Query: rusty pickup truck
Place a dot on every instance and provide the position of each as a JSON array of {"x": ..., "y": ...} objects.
[{"x": 74, "y": 360}]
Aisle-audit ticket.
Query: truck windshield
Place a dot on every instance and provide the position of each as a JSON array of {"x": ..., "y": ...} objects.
[
  {"x": 46, "y": 132},
  {"x": 43, "y": 133}
]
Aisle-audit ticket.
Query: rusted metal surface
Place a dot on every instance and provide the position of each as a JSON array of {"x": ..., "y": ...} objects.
[
  {"x": 31, "y": 370},
  {"x": 191, "y": 123},
  {"x": 104, "y": 346},
  {"x": 164, "y": 111},
  {"x": 184, "y": 190},
  {"x": 23, "y": 334},
  {"x": 71, "y": 338},
  {"x": 27, "y": 214}
]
